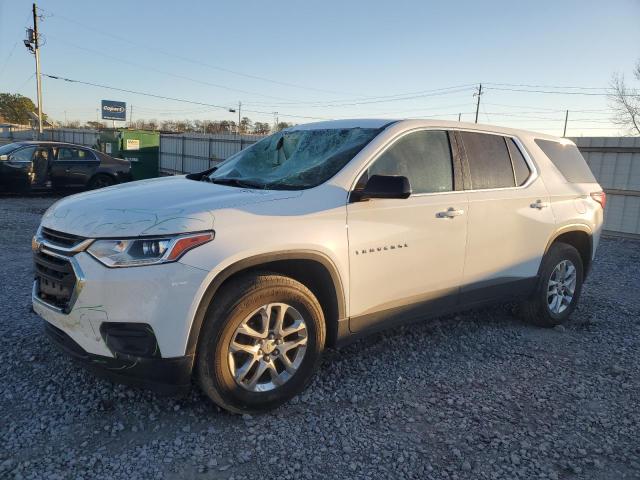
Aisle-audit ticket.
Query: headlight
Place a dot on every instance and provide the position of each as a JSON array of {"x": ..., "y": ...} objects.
[{"x": 133, "y": 252}]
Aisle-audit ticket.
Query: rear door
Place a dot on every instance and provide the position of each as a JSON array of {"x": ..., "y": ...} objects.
[
  {"x": 406, "y": 255},
  {"x": 509, "y": 217},
  {"x": 73, "y": 166}
]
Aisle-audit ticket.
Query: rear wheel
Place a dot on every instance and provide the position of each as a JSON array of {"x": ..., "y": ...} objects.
[
  {"x": 260, "y": 344},
  {"x": 101, "y": 181},
  {"x": 558, "y": 289}
]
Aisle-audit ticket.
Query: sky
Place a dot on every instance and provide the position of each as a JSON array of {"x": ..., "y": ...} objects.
[{"x": 329, "y": 59}]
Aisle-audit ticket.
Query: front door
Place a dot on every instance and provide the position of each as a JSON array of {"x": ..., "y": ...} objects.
[
  {"x": 40, "y": 166},
  {"x": 406, "y": 256}
]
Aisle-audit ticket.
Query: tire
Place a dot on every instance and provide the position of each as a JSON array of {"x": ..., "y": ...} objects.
[
  {"x": 542, "y": 309},
  {"x": 101, "y": 181},
  {"x": 241, "y": 300}
]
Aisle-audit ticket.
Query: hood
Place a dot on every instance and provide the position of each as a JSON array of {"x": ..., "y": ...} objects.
[{"x": 159, "y": 206}]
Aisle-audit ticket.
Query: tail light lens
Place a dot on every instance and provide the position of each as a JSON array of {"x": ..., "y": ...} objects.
[{"x": 600, "y": 197}]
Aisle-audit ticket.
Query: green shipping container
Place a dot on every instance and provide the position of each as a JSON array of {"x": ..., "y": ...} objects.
[{"x": 140, "y": 147}]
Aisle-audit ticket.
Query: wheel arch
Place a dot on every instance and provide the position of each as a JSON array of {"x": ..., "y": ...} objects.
[
  {"x": 107, "y": 173},
  {"x": 313, "y": 269},
  {"x": 578, "y": 236}
]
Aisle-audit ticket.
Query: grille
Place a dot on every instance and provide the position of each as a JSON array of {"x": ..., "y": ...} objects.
[
  {"x": 59, "y": 239},
  {"x": 55, "y": 279}
]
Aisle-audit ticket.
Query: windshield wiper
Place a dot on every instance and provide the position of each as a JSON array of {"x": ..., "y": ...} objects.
[
  {"x": 235, "y": 182},
  {"x": 201, "y": 176}
]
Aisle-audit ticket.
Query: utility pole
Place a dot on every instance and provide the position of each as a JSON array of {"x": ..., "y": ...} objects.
[
  {"x": 131, "y": 116},
  {"x": 459, "y": 116},
  {"x": 478, "y": 104},
  {"x": 566, "y": 120},
  {"x": 239, "y": 116},
  {"x": 33, "y": 43}
]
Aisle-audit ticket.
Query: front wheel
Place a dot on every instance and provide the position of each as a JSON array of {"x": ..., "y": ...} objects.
[
  {"x": 260, "y": 344},
  {"x": 558, "y": 289}
]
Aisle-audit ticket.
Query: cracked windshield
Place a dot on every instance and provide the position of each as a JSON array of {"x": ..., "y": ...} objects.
[{"x": 293, "y": 160}]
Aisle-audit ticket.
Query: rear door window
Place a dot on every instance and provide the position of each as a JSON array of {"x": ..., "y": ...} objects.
[
  {"x": 424, "y": 157},
  {"x": 489, "y": 161},
  {"x": 70, "y": 154},
  {"x": 568, "y": 159}
]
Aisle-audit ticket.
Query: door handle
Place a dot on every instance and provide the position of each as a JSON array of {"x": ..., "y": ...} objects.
[
  {"x": 450, "y": 213},
  {"x": 539, "y": 204}
]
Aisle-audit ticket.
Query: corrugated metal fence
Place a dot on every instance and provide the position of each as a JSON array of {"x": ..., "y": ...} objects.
[
  {"x": 615, "y": 162},
  {"x": 13, "y": 133},
  {"x": 192, "y": 152},
  {"x": 78, "y": 136}
]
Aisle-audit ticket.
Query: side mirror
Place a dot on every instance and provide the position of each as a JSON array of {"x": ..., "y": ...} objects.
[{"x": 386, "y": 186}]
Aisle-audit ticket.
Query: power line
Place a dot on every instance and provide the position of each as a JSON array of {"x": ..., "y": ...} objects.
[
  {"x": 374, "y": 99},
  {"x": 6, "y": 62},
  {"x": 25, "y": 82},
  {"x": 327, "y": 103},
  {"x": 550, "y": 92},
  {"x": 163, "y": 97},
  {"x": 197, "y": 62},
  {"x": 435, "y": 93},
  {"x": 547, "y": 86},
  {"x": 164, "y": 72},
  {"x": 135, "y": 92}
]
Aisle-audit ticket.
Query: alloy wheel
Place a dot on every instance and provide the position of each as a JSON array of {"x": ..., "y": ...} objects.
[
  {"x": 561, "y": 286},
  {"x": 268, "y": 347}
]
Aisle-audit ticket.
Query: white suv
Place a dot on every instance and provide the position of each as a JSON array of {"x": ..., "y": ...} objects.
[{"x": 314, "y": 236}]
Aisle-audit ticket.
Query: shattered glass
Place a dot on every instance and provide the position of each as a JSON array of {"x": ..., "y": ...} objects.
[{"x": 294, "y": 159}]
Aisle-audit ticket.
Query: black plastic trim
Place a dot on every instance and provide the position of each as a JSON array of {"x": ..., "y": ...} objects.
[
  {"x": 255, "y": 261},
  {"x": 128, "y": 338},
  {"x": 162, "y": 375},
  {"x": 470, "y": 296}
]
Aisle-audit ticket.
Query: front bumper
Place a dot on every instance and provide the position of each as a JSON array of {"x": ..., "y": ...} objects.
[
  {"x": 163, "y": 375},
  {"x": 161, "y": 296}
]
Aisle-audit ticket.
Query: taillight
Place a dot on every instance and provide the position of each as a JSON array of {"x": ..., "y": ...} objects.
[{"x": 600, "y": 197}]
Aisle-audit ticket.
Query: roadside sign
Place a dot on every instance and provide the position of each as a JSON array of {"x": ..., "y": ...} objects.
[{"x": 112, "y": 110}]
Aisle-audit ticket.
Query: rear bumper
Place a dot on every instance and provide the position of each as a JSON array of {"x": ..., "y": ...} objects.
[
  {"x": 162, "y": 375},
  {"x": 124, "y": 177}
]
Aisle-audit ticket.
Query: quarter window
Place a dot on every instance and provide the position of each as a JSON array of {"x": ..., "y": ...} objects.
[
  {"x": 424, "y": 157},
  {"x": 520, "y": 167},
  {"x": 568, "y": 159},
  {"x": 489, "y": 161}
]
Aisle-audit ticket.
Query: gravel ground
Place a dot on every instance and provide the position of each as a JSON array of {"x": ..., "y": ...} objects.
[{"x": 476, "y": 395}]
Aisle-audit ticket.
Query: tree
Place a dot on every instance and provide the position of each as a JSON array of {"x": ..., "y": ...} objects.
[
  {"x": 626, "y": 101},
  {"x": 283, "y": 125},
  {"x": 245, "y": 125},
  {"x": 15, "y": 108},
  {"x": 94, "y": 125},
  {"x": 261, "y": 128}
]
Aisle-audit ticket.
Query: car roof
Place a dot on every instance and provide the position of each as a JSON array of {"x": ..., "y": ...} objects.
[
  {"x": 52, "y": 144},
  {"x": 417, "y": 123}
]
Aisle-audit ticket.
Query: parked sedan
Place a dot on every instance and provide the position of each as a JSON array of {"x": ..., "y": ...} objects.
[{"x": 40, "y": 165}]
